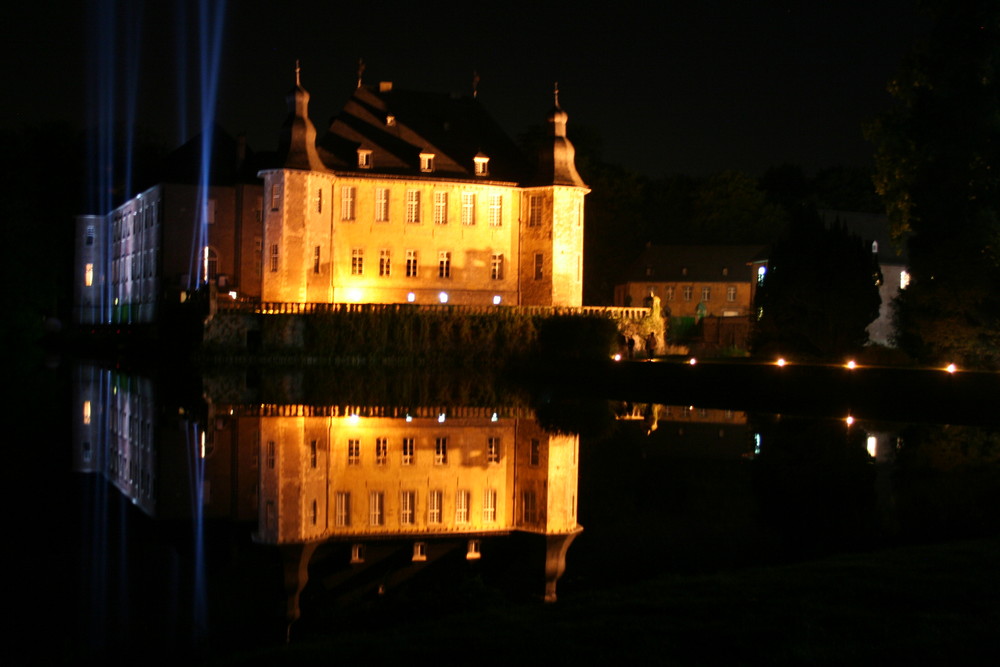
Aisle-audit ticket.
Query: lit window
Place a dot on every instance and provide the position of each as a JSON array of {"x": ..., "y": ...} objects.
[
  {"x": 86, "y": 412},
  {"x": 411, "y": 263},
  {"x": 493, "y": 450},
  {"x": 496, "y": 210},
  {"x": 407, "y": 507},
  {"x": 347, "y": 202},
  {"x": 364, "y": 159},
  {"x": 384, "y": 262},
  {"x": 534, "y": 210},
  {"x": 342, "y": 508},
  {"x": 539, "y": 265},
  {"x": 462, "y": 498},
  {"x": 316, "y": 259},
  {"x": 357, "y": 262},
  {"x": 489, "y": 505},
  {"x": 441, "y": 451},
  {"x": 761, "y": 271},
  {"x": 496, "y": 266},
  {"x": 381, "y": 204},
  {"x": 88, "y": 275},
  {"x": 434, "y": 502},
  {"x": 376, "y": 508},
  {"x": 731, "y": 294},
  {"x": 482, "y": 165},
  {"x": 353, "y": 452},
  {"x": 904, "y": 279},
  {"x": 413, "y": 206},
  {"x": 468, "y": 208},
  {"x": 688, "y": 291},
  {"x": 444, "y": 264},
  {"x": 440, "y": 208},
  {"x": 427, "y": 162},
  {"x": 407, "y": 451},
  {"x": 706, "y": 293}
]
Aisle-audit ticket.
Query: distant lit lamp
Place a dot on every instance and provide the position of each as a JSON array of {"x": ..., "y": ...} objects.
[
  {"x": 443, "y": 297},
  {"x": 781, "y": 362}
]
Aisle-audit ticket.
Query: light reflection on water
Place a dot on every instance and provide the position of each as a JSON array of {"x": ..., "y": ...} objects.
[{"x": 233, "y": 518}]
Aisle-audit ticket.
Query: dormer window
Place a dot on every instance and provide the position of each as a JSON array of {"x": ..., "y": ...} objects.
[
  {"x": 364, "y": 159},
  {"x": 482, "y": 164},
  {"x": 725, "y": 270},
  {"x": 427, "y": 162},
  {"x": 390, "y": 121}
]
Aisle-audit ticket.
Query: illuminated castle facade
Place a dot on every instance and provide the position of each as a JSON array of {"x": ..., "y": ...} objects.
[{"x": 408, "y": 197}]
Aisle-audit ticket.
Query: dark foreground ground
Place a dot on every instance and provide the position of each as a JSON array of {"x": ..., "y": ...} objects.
[{"x": 936, "y": 604}]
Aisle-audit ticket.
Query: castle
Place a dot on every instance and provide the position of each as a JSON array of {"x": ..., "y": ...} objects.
[{"x": 408, "y": 198}]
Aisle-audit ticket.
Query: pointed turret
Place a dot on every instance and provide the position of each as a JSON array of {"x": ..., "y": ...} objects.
[
  {"x": 556, "y": 159},
  {"x": 298, "y": 134}
]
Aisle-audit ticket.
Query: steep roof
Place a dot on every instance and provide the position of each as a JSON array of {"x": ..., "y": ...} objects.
[
  {"x": 231, "y": 161},
  {"x": 694, "y": 263},
  {"x": 398, "y": 125}
]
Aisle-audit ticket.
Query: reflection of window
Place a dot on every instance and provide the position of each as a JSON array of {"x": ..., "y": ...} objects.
[
  {"x": 353, "y": 452},
  {"x": 342, "y": 508},
  {"x": 381, "y": 451},
  {"x": 407, "y": 451},
  {"x": 440, "y": 208},
  {"x": 490, "y": 505},
  {"x": 357, "y": 553},
  {"x": 462, "y": 506},
  {"x": 86, "y": 412},
  {"x": 441, "y": 451},
  {"x": 407, "y": 506},
  {"x": 376, "y": 508},
  {"x": 91, "y": 232},
  {"x": 493, "y": 450},
  {"x": 347, "y": 202},
  {"x": 904, "y": 279},
  {"x": 434, "y": 507},
  {"x": 419, "y": 551}
]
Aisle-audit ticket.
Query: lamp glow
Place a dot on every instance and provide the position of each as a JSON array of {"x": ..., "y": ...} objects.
[
  {"x": 496, "y": 299},
  {"x": 851, "y": 364},
  {"x": 692, "y": 361},
  {"x": 443, "y": 297},
  {"x": 781, "y": 362},
  {"x": 411, "y": 297},
  {"x": 849, "y": 420},
  {"x": 951, "y": 368}
]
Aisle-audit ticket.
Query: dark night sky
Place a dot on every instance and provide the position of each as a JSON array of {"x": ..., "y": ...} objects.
[{"x": 683, "y": 87}]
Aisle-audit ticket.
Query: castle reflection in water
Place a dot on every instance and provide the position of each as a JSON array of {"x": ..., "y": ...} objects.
[{"x": 366, "y": 483}]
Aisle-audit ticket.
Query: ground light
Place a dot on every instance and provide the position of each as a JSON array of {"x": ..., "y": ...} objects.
[
  {"x": 781, "y": 362},
  {"x": 851, "y": 364},
  {"x": 951, "y": 368},
  {"x": 692, "y": 361},
  {"x": 849, "y": 420}
]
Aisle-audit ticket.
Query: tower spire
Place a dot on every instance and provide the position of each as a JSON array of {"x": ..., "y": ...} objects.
[
  {"x": 298, "y": 73},
  {"x": 555, "y": 94}
]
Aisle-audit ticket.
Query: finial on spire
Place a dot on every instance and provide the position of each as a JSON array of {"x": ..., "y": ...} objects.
[
  {"x": 298, "y": 69},
  {"x": 555, "y": 94},
  {"x": 361, "y": 70},
  {"x": 475, "y": 84}
]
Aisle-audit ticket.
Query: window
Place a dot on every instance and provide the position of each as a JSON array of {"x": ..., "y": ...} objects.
[
  {"x": 413, "y": 205},
  {"x": 496, "y": 267},
  {"x": 427, "y": 162},
  {"x": 353, "y": 452},
  {"x": 88, "y": 275},
  {"x": 274, "y": 258},
  {"x": 319, "y": 200},
  {"x": 688, "y": 291},
  {"x": 904, "y": 279},
  {"x": 390, "y": 121},
  {"x": 489, "y": 505},
  {"x": 314, "y": 513},
  {"x": 496, "y": 210},
  {"x": 440, "y": 208},
  {"x": 258, "y": 254},
  {"x": 535, "y": 453},
  {"x": 275, "y": 197},
  {"x": 731, "y": 293},
  {"x": 462, "y": 506},
  {"x": 407, "y": 507},
  {"x": 468, "y": 208},
  {"x": 493, "y": 450},
  {"x": 539, "y": 263},
  {"x": 357, "y": 553},
  {"x": 270, "y": 454},
  {"x": 316, "y": 259},
  {"x": 364, "y": 158},
  {"x": 376, "y": 508},
  {"x": 482, "y": 165},
  {"x": 357, "y": 262},
  {"x": 91, "y": 232},
  {"x": 529, "y": 508},
  {"x": 381, "y": 451},
  {"x": 444, "y": 264},
  {"x": 381, "y": 204},
  {"x": 534, "y": 210},
  {"x": 407, "y": 451},
  {"x": 668, "y": 293},
  {"x": 441, "y": 451},
  {"x": 434, "y": 507},
  {"x": 384, "y": 262},
  {"x": 347, "y": 202},
  {"x": 419, "y": 551},
  {"x": 706, "y": 293},
  {"x": 761, "y": 271},
  {"x": 411, "y": 263},
  {"x": 313, "y": 454},
  {"x": 342, "y": 508}
]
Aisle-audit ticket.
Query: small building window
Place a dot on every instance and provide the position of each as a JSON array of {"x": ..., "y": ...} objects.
[
  {"x": 364, "y": 159},
  {"x": 347, "y": 202},
  {"x": 427, "y": 162},
  {"x": 496, "y": 210},
  {"x": 444, "y": 264},
  {"x": 688, "y": 292},
  {"x": 534, "y": 210},
  {"x": 381, "y": 204},
  {"x": 407, "y": 451},
  {"x": 376, "y": 508},
  {"x": 274, "y": 258},
  {"x": 539, "y": 266},
  {"x": 706, "y": 293},
  {"x": 411, "y": 263},
  {"x": 316, "y": 257},
  {"x": 384, "y": 262},
  {"x": 275, "y": 197},
  {"x": 407, "y": 507},
  {"x": 440, "y": 208},
  {"x": 496, "y": 266},
  {"x": 731, "y": 293},
  {"x": 535, "y": 453},
  {"x": 441, "y": 451},
  {"x": 462, "y": 498},
  {"x": 342, "y": 508},
  {"x": 482, "y": 165},
  {"x": 468, "y": 208},
  {"x": 381, "y": 451},
  {"x": 434, "y": 503},
  {"x": 357, "y": 262},
  {"x": 493, "y": 450},
  {"x": 489, "y": 505},
  {"x": 413, "y": 205},
  {"x": 353, "y": 452}
]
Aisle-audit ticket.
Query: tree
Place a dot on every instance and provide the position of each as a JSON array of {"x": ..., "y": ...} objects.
[
  {"x": 938, "y": 173},
  {"x": 820, "y": 291}
]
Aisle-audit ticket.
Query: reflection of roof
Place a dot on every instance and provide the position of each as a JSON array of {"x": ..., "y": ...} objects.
[
  {"x": 694, "y": 263},
  {"x": 870, "y": 227},
  {"x": 399, "y": 125}
]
